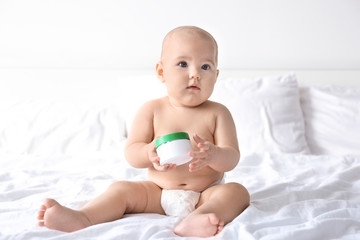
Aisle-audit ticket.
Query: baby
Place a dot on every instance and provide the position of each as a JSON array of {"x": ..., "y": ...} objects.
[{"x": 188, "y": 67}]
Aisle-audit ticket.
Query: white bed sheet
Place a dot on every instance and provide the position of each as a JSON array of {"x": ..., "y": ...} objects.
[{"x": 292, "y": 197}]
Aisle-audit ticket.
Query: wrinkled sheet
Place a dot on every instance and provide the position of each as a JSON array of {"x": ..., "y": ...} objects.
[{"x": 292, "y": 197}]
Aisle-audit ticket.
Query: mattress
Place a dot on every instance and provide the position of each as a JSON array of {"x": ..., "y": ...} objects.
[{"x": 292, "y": 197}]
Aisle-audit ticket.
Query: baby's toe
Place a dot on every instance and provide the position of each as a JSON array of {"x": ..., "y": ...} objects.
[
  {"x": 220, "y": 227},
  {"x": 41, "y": 212},
  {"x": 41, "y": 215},
  {"x": 41, "y": 223}
]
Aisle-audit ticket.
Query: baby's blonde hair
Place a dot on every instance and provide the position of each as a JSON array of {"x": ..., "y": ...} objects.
[{"x": 191, "y": 29}]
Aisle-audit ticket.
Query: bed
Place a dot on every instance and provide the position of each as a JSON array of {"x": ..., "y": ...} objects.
[{"x": 62, "y": 134}]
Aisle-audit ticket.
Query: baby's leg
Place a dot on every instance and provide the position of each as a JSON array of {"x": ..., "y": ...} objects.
[
  {"x": 218, "y": 205},
  {"x": 120, "y": 198}
]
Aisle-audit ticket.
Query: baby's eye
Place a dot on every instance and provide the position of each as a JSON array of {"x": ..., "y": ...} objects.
[
  {"x": 205, "y": 67},
  {"x": 182, "y": 64}
]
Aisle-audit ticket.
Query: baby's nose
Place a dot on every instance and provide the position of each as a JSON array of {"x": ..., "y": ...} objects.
[{"x": 194, "y": 74}]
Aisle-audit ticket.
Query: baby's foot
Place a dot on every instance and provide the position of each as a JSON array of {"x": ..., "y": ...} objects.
[
  {"x": 55, "y": 216},
  {"x": 199, "y": 225}
]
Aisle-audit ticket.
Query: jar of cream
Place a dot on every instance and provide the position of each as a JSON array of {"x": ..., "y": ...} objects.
[{"x": 173, "y": 148}]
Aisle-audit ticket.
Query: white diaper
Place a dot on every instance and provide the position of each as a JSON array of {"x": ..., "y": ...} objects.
[{"x": 179, "y": 203}]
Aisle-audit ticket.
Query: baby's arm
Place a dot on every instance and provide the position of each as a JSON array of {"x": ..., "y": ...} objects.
[
  {"x": 223, "y": 155},
  {"x": 140, "y": 146},
  {"x": 140, "y": 140}
]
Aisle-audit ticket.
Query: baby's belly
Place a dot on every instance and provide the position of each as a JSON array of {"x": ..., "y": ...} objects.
[{"x": 181, "y": 178}]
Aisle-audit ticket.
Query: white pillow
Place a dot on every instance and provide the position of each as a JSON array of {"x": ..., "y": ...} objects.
[
  {"x": 59, "y": 127},
  {"x": 332, "y": 119},
  {"x": 266, "y": 112}
]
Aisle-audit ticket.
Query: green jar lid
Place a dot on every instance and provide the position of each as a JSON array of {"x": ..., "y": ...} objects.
[{"x": 171, "y": 137}]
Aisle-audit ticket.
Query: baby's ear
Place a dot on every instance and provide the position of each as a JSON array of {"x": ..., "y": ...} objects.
[{"x": 160, "y": 71}]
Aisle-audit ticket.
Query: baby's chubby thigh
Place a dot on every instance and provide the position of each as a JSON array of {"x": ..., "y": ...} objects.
[{"x": 141, "y": 196}]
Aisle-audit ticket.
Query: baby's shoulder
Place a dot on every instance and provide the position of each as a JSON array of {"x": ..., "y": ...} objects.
[
  {"x": 216, "y": 106},
  {"x": 218, "y": 110},
  {"x": 152, "y": 104}
]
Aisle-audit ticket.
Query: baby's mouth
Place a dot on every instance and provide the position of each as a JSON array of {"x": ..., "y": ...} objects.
[{"x": 193, "y": 87}]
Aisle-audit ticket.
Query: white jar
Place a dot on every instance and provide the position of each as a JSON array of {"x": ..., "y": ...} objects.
[{"x": 173, "y": 148}]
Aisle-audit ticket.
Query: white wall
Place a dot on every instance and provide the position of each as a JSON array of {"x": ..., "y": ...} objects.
[{"x": 263, "y": 34}]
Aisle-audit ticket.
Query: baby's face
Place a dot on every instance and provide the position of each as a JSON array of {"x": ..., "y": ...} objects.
[{"x": 189, "y": 68}]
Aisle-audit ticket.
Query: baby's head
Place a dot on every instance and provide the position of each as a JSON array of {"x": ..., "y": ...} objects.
[
  {"x": 193, "y": 31},
  {"x": 188, "y": 65}
]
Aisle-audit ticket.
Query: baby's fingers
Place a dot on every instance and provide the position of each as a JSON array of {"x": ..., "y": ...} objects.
[
  {"x": 168, "y": 167},
  {"x": 196, "y": 165},
  {"x": 198, "y": 154},
  {"x": 155, "y": 160},
  {"x": 201, "y": 143},
  {"x": 165, "y": 167},
  {"x": 198, "y": 139},
  {"x": 204, "y": 146}
]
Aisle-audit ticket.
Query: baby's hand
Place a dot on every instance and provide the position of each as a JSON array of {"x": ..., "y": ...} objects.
[
  {"x": 204, "y": 156},
  {"x": 155, "y": 160}
]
